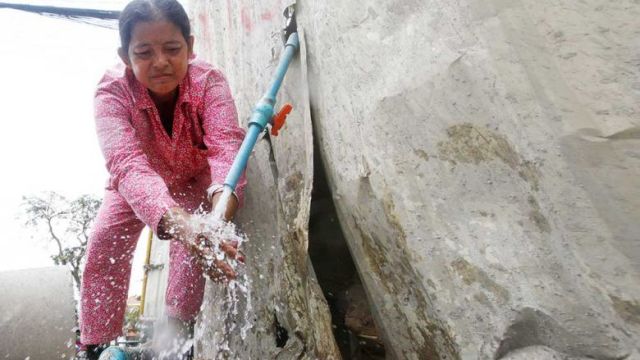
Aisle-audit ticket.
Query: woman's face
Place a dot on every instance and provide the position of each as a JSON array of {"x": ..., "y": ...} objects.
[{"x": 159, "y": 55}]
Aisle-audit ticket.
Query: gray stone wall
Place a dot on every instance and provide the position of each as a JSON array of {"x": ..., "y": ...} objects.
[{"x": 483, "y": 157}]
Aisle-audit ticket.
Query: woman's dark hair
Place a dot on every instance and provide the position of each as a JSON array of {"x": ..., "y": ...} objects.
[{"x": 151, "y": 10}]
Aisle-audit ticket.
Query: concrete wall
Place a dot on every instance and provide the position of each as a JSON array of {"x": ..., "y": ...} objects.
[
  {"x": 289, "y": 314},
  {"x": 483, "y": 158},
  {"x": 37, "y": 314}
]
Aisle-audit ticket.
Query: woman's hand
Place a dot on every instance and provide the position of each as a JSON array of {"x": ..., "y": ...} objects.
[
  {"x": 215, "y": 264},
  {"x": 232, "y": 205},
  {"x": 177, "y": 225}
]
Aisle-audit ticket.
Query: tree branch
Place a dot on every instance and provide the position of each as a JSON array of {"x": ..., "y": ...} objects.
[{"x": 55, "y": 238}]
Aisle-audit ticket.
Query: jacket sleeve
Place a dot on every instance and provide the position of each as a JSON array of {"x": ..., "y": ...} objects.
[
  {"x": 222, "y": 134},
  {"x": 131, "y": 174}
]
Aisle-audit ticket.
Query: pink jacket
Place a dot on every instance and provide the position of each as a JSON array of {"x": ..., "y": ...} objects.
[{"x": 146, "y": 165}]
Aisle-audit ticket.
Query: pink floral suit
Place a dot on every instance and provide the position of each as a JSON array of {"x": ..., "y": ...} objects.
[{"x": 151, "y": 172}]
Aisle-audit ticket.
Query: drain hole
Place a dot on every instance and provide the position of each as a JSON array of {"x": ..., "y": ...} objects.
[
  {"x": 353, "y": 326},
  {"x": 282, "y": 336}
]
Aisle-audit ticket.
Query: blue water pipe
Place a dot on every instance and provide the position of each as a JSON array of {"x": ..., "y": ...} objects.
[
  {"x": 116, "y": 353},
  {"x": 262, "y": 114}
]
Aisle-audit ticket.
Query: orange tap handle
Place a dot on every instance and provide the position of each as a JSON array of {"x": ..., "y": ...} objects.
[{"x": 280, "y": 118}]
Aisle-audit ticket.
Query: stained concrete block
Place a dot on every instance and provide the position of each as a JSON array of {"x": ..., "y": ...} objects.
[{"x": 37, "y": 314}]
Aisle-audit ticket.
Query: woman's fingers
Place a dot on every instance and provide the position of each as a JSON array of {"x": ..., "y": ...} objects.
[
  {"x": 215, "y": 274},
  {"x": 221, "y": 271},
  {"x": 229, "y": 249},
  {"x": 218, "y": 270},
  {"x": 203, "y": 241},
  {"x": 215, "y": 267},
  {"x": 226, "y": 269}
]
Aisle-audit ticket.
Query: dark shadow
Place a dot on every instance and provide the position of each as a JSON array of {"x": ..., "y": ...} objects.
[
  {"x": 282, "y": 335},
  {"x": 353, "y": 326}
]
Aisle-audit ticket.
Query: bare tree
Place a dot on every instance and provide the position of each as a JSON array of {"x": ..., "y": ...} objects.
[{"x": 66, "y": 223}]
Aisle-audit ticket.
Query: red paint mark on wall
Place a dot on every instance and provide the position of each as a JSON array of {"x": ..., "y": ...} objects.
[
  {"x": 267, "y": 16},
  {"x": 204, "y": 23},
  {"x": 245, "y": 18}
]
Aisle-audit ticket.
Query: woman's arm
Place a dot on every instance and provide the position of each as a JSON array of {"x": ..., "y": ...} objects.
[
  {"x": 131, "y": 174},
  {"x": 222, "y": 134},
  {"x": 232, "y": 205}
]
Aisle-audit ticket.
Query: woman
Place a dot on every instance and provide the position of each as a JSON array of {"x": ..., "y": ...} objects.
[{"x": 167, "y": 126}]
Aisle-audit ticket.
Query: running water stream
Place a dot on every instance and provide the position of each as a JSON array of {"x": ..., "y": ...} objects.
[{"x": 233, "y": 297}]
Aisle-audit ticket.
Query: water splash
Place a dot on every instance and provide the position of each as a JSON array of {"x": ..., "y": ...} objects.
[{"x": 232, "y": 304}]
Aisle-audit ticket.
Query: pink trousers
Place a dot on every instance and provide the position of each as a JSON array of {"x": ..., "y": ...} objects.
[{"x": 105, "y": 282}]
